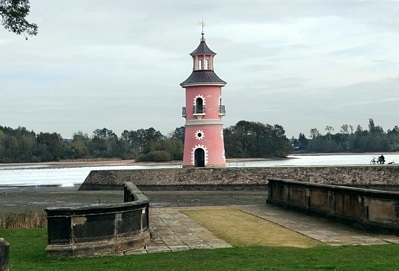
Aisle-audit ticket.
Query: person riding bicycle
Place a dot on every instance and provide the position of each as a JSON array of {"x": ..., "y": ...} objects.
[{"x": 381, "y": 159}]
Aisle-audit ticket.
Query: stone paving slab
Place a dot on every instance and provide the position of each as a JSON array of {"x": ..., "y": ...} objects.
[
  {"x": 174, "y": 231},
  {"x": 326, "y": 231}
]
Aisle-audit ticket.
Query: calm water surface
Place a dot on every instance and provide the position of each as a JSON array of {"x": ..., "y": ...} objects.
[{"x": 41, "y": 176}]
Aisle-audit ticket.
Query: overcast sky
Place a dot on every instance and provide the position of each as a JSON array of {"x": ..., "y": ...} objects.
[{"x": 302, "y": 64}]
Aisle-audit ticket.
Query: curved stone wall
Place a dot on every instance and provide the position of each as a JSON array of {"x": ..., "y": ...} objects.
[{"x": 102, "y": 229}]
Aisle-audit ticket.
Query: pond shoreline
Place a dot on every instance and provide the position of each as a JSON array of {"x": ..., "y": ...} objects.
[
  {"x": 114, "y": 162},
  {"x": 119, "y": 162}
]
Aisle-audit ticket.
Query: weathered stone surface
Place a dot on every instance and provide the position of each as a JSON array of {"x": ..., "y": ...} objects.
[
  {"x": 103, "y": 229},
  {"x": 186, "y": 177},
  {"x": 4, "y": 255},
  {"x": 365, "y": 208}
]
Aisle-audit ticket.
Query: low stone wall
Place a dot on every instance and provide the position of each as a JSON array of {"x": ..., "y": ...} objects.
[
  {"x": 363, "y": 208},
  {"x": 240, "y": 177},
  {"x": 103, "y": 229}
]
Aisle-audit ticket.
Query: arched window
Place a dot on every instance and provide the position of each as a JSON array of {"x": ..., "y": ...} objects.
[{"x": 199, "y": 106}]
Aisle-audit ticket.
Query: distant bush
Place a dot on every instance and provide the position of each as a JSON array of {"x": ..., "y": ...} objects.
[{"x": 155, "y": 156}]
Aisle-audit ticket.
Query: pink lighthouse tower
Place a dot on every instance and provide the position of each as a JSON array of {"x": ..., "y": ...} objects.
[{"x": 203, "y": 142}]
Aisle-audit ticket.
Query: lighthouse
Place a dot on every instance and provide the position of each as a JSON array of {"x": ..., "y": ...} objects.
[{"x": 203, "y": 141}]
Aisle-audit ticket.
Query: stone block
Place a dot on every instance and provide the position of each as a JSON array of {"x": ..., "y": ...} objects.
[{"x": 4, "y": 255}]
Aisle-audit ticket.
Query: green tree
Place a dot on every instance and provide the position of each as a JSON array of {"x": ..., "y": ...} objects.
[
  {"x": 329, "y": 129},
  {"x": 104, "y": 144},
  {"x": 11, "y": 148},
  {"x": 49, "y": 147},
  {"x": 27, "y": 145},
  {"x": 150, "y": 137},
  {"x": 393, "y": 137},
  {"x": 80, "y": 145},
  {"x": 173, "y": 146},
  {"x": 345, "y": 129},
  {"x": 255, "y": 139},
  {"x": 314, "y": 133},
  {"x": 13, "y": 15},
  {"x": 179, "y": 133},
  {"x": 2, "y": 137},
  {"x": 131, "y": 143}
]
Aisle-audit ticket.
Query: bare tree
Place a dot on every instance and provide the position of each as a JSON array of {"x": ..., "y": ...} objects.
[
  {"x": 329, "y": 129},
  {"x": 314, "y": 133}
]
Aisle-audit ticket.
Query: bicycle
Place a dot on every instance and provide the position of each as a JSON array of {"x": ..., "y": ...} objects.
[{"x": 374, "y": 161}]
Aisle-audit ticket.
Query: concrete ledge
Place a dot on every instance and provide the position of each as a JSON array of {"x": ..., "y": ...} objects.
[
  {"x": 102, "y": 229},
  {"x": 116, "y": 246},
  {"x": 368, "y": 209}
]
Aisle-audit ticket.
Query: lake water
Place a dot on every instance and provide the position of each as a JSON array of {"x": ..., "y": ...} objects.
[{"x": 37, "y": 175}]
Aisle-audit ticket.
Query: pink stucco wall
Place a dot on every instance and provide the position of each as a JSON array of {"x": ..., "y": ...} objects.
[
  {"x": 211, "y": 142},
  {"x": 200, "y": 133},
  {"x": 211, "y": 96}
]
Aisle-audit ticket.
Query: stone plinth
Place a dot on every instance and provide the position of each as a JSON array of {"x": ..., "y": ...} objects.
[{"x": 4, "y": 255}]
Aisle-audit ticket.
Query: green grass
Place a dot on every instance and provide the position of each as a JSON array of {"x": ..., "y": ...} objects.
[
  {"x": 27, "y": 253},
  {"x": 241, "y": 229}
]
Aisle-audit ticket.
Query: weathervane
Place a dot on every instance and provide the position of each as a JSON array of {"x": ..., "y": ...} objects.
[{"x": 202, "y": 24}]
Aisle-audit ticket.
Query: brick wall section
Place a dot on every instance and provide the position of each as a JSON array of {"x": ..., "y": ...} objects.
[{"x": 343, "y": 175}]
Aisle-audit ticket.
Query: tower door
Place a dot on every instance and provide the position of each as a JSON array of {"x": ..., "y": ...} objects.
[{"x": 199, "y": 157}]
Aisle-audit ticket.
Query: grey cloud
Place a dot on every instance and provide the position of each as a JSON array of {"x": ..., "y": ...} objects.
[{"x": 300, "y": 63}]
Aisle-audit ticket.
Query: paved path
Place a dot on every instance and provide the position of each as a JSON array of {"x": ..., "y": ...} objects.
[
  {"x": 324, "y": 230},
  {"x": 174, "y": 231}
]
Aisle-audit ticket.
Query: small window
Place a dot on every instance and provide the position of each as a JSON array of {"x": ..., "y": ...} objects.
[
  {"x": 199, "y": 106},
  {"x": 200, "y": 64},
  {"x": 206, "y": 64}
]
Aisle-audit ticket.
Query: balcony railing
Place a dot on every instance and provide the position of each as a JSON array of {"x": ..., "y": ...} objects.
[
  {"x": 222, "y": 110},
  {"x": 199, "y": 110}
]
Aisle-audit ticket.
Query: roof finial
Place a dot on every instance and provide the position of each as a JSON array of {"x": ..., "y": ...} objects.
[{"x": 202, "y": 24}]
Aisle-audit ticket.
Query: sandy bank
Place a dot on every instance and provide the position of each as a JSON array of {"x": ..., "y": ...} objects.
[{"x": 114, "y": 162}]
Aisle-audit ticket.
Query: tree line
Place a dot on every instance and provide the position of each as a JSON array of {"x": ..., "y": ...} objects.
[
  {"x": 349, "y": 139},
  {"x": 246, "y": 139},
  {"x": 243, "y": 140}
]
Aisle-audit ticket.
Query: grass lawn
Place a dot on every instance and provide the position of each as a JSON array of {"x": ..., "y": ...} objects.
[
  {"x": 241, "y": 229},
  {"x": 27, "y": 253}
]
